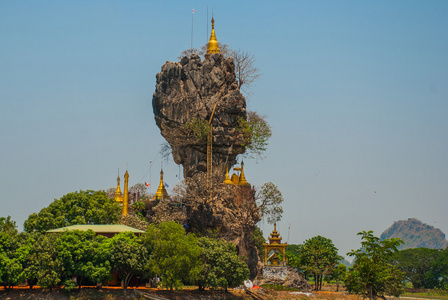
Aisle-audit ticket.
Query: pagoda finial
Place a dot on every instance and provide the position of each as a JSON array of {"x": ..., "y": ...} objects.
[
  {"x": 118, "y": 195},
  {"x": 161, "y": 191},
  {"x": 213, "y": 46},
  {"x": 243, "y": 180},
  {"x": 125, "y": 194},
  {"x": 227, "y": 178}
]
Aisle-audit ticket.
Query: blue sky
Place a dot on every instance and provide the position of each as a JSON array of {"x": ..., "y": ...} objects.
[{"x": 356, "y": 93}]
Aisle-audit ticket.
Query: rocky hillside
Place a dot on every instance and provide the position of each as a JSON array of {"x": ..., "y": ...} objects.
[
  {"x": 187, "y": 92},
  {"x": 416, "y": 234}
]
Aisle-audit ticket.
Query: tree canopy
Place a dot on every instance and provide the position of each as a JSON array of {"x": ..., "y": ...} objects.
[
  {"x": 372, "y": 273},
  {"x": 417, "y": 265},
  {"x": 270, "y": 201},
  {"x": 175, "y": 255},
  {"x": 221, "y": 266},
  {"x": 83, "y": 207},
  {"x": 319, "y": 257}
]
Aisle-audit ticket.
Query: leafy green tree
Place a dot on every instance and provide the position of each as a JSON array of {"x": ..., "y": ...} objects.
[
  {"x": 257, "y": 132},
  {"x": 42, "y": 266},
  {"x": 319, "y": 257},
  {"x": 83, "y": 207},
  {"x": 221, "y": 266},
  {"x": 128, "y": 256},
  {"x": 293, "y": 253},
  {"x": 10, "y": 264},
  {"x": 439, "y": 270},
  {"x": 338, "y": 275},
  {"x": 269, "y": 203},
  {"x": 7, "y": 225},
  {"x": 372, "y": 273},
  {"x": 417, "y": 264},
  {"x": 175, "y": 255},
  {"x": 84, "y": 256}
]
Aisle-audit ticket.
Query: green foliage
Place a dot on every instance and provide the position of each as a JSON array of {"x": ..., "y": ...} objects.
[
  {"x": 83, "y": 207},
  {"x": 319, "y": 257},
  {"x": 417, "y": 265},
  {"x": 338, "y": 275},
  {"x": 175, "y": 256},
  {"x": 7, "y": 225},
  {"x": 128, "y": 255},
  {"x": 83, "y": 255},
  {"x": 257, "y": 239},
  {"x": 439, "y": 269},
  {"x": 221, "y": 266},
  {"x": 372, "y": 274},
  {"x": 293, "y": 254},
  {"x": 269, "y": 203},
  {"x": 138, "y": 208},
  {"x": 199, "y": 128},
  {"x": 256, "y": 132},
  {"x": 42, "y": 266},
  {"x": 10, "y": 261}
]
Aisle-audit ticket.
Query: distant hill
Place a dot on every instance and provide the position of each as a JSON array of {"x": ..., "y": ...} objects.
[{"x": 416, "y": 234}]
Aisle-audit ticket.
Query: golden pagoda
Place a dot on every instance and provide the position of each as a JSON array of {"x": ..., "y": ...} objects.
[
  {"x": 243, "y": 180},
  {"x": 227, "y": 178},
  {"x": 235, "y": 179},
  {"x": 126, "y": 194},
  {"x": 275, "y": 244},
  {"x": 212, "y": 46},
  {"x": 118, "y": 195},
  {"x": 161, "y": 191}
]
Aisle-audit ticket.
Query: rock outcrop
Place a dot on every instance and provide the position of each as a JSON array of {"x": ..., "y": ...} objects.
[
  {"x": 293, "y": 279},
  {"x": 186, "y": 93},
  {"x": 416, "y": 234}
]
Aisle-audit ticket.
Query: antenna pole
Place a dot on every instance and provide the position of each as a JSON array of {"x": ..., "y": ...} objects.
[
  {"x": 289, "y": 229},
  {"x": 206, "y": 38},
  {"x": 192, "y": 22},
  {"x": 150, "y": 183}
]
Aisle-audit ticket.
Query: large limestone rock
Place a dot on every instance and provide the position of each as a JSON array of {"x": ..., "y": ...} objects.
[
  {"x": 285, "y": 276},
  {"x": 187, "y": 91}
]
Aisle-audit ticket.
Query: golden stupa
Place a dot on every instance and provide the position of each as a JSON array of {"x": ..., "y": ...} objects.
[
  {"x": 123, "y": 198},
  {"x": 213, "y": 45},
  {"x": 161, "y": 191},
  {"x": 235, "y": 179}
]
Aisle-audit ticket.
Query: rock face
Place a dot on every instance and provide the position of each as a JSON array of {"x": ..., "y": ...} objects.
[
  {"x": 186, "y": 92},
  {"x": 285, "y": 276}
]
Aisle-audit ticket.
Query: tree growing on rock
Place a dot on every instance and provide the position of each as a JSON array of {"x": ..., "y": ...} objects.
[{"x": 245, "y": 70}]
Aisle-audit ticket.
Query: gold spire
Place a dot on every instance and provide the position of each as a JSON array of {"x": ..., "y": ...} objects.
[
  {"x": 118, "y": 195},
  {"x": 243, "y": 180},
  {"x": 213, "y": 46},
  {"x": 126, "y": 195},
  {"x": 161, "y": 191},
  {"x": 227, "y": 178}
]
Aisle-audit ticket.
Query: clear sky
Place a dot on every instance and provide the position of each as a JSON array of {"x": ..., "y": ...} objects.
[{"x": 356, "y": 93}]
